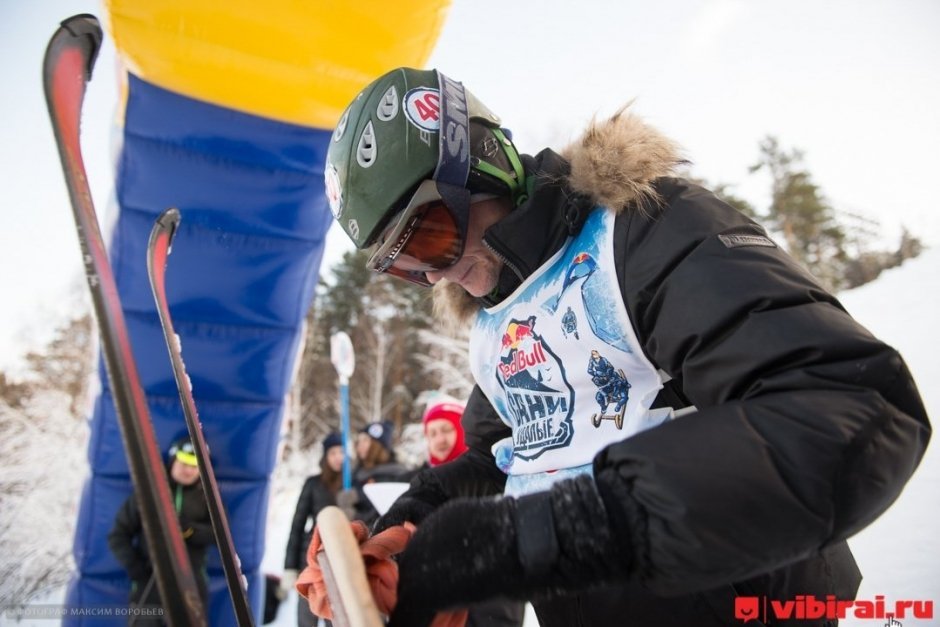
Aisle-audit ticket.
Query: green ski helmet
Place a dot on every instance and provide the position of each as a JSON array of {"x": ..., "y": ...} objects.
[{"x": 387, "y": 161}]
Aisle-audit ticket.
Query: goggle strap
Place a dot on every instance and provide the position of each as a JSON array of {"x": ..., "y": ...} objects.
[
  {"x": 457, "y": 200},
  {"x": 453, "y": 169}
]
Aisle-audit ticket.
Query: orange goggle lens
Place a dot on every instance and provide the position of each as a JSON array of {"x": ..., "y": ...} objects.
[{"x": 424, "y": 238}]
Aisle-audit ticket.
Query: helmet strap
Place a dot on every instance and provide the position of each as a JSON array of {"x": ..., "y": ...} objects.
[{"x": 515, "y": 181}]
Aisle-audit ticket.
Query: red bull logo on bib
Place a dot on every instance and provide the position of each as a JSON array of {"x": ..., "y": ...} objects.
[{"x": 538, "y": 395}]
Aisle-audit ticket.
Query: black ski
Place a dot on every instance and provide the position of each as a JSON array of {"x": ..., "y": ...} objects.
[
  {"x": 158, "y": 251},
  {"x": 69, "y": 59}
]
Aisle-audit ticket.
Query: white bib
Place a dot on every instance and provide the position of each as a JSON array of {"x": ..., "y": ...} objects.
[{"x": 559, "y": 361}]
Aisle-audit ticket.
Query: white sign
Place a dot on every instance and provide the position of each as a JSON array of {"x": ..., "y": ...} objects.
[
  {"x": 382, "y": 495},
  {"x": 342, "y": 355}
]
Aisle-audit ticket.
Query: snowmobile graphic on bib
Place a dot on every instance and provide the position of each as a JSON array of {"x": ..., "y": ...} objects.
[
  {"x": 560, "y": 363},
  {"x": 612, "y": 387}
]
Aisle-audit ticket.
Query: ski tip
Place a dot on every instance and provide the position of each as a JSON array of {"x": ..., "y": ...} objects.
[
  {"x": 171, "y": 215},
  {"x": 168, "y": 221},
  {"x": 80, "y": 23},
  {"x": 84, "y": 28}
]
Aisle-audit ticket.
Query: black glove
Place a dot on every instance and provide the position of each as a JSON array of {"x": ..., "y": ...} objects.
[
  {"x": 139, "y": 570},
  {"x": 527, "y": 548},
  {"x": 423, "y": 497}
]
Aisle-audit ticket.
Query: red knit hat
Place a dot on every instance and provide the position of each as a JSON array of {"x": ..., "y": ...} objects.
[{"x": 452, "y": 413}]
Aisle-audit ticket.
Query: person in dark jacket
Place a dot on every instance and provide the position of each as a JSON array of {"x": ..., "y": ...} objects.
[
  {"x": 375, "y": 463},
  {"x": 318, "y": 492},
  {"x": 126, "y": 538},
  {"x": 760, "y": 425}
]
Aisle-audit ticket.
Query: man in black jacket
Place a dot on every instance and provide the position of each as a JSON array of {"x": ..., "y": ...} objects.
[
  {"x": 126, "y": 539},
  {"x": 744, "y": 426}
]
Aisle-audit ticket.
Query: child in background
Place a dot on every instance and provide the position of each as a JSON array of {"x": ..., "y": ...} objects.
[{"x": 126, "y": 539}]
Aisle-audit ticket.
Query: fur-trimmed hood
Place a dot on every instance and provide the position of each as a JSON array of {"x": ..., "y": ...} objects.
[{"x": 614, "y": 164}]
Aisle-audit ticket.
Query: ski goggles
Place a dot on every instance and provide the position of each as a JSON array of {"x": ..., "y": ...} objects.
[
  {"x": 425, "y": 236},
  {"x": 429, "y": 231}
]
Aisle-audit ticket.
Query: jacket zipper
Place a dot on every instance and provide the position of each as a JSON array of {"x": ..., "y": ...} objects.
[{"x": 503, "y": 259}]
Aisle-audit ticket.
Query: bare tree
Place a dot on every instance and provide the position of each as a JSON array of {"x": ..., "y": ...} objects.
[
  {"x": 384, "y": 318},
  {"x": 43, "y": 441},
  {"x": 447, "y": 361}
]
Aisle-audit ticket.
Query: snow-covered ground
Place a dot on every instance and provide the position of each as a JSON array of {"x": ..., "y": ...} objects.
[{"x": 899, "y": 554}]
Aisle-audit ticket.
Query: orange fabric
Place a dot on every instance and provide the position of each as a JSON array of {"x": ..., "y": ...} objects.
[{"x": 381, "y": 573}]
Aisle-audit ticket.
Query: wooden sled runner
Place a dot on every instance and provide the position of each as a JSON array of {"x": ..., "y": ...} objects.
[{"x": 344, "y": 573}]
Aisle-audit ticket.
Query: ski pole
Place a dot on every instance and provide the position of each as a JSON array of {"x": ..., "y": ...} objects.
[{"x": 141, "y": 600}]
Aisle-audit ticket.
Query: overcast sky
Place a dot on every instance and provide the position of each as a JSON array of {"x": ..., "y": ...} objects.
[{"x": 855, "y": 84}]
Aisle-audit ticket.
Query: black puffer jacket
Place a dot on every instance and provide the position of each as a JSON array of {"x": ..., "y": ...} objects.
[
  {"x": 127, "y": 543},
  {"x": 807, "y": 426},
  {"x": 314, "y": 496}
]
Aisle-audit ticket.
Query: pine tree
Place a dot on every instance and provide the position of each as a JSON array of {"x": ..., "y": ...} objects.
[
  {"x": 801, "y": 214},
  {"x": 384, "y": 317},
  {"x": 722, "y": 191}
]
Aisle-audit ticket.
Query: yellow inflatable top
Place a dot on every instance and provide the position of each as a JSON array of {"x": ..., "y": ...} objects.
[{"x": 298, "y": 61}]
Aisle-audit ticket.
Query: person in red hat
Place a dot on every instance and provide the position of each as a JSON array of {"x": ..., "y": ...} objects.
[{"x": 443, "y": 432}]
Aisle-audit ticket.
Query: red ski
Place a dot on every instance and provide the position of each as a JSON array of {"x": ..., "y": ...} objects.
[{"x": 70, "y": 57}]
